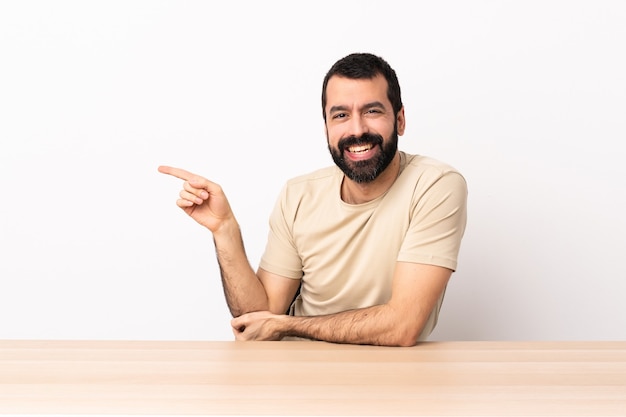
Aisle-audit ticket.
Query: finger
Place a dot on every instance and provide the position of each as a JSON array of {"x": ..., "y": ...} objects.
[
  {"x": 196, "y": 192},
  {"x": 196, "y": 181},
  {"x": 240, "y": 323},
  {"x": 176, "y": 172},
  {"x": 183, "y": 203},
  {"x": 236, "y": 323},
  {"x": 189, "y": 199},
  {"x": 238, "y": 335},
  {"x": 238, "y": 328}
]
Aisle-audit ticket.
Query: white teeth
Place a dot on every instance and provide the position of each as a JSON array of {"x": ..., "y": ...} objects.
[{"x": 361, "y": 148}]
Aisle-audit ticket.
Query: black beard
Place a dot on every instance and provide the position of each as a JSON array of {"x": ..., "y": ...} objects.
[{"x": 369, "y": 170}]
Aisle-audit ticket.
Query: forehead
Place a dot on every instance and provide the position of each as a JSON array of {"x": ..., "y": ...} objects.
[{"x": 342, "y": 91}]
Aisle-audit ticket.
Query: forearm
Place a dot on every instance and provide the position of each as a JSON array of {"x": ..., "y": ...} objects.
[
  {"x": 242, "y": 288},
  {"x": 376, "y": 325}
]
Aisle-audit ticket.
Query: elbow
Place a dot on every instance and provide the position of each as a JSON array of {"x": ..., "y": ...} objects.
[
  {"x": 398, "y": 341},
  {"x": 403, "y": 332},
  {"x": 407, "y": 333},
  {"x": 403, "y": 337},
  {"x": 406, "y": 341}
]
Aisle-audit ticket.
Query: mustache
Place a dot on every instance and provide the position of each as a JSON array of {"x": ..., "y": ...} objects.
[{"x": 368, "y": 138}]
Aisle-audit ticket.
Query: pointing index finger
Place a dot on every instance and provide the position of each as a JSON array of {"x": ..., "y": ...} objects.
[
  {"x": 192, "y": 179},
  {"x": 176, "y": 172}
]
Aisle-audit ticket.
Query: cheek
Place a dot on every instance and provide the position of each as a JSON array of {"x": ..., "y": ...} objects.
[
  {"x": 333, "y": 135},
  {"x": 383, "y": 127}
]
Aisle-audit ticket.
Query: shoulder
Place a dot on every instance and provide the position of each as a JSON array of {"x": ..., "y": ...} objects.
[
  {"x": 424, "y": 169},
  {"x": 320, "y": 179},
  {"x": 423, "y": 175},
  {"x": 303, "y": 193},
  {"x": 425, "y": 164}
]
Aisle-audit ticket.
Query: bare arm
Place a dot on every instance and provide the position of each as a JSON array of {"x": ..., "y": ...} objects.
[
  {"x": 243, "y": 290},
  {"x": 206, "y": 203},
  {"x": 416, "y": 289}
]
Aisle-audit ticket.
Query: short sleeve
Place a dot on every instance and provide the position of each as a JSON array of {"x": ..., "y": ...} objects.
[
  {"x": 437, "y": 224},
  {"x": 281, "y": 256}
]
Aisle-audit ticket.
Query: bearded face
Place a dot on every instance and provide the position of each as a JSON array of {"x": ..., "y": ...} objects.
[{"x": 364, "y": 170}]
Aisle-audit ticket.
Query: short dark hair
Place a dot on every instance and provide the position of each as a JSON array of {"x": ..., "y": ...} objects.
[{"x": 365, "y": 66}]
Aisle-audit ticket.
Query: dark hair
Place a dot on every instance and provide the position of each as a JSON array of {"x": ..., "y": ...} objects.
[{"x": 365, "y": 66}]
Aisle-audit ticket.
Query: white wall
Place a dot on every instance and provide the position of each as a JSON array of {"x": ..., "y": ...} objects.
[{"x": 526, "y": 98}]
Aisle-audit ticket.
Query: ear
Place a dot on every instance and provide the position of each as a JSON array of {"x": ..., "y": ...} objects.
[{"x": 401, "y": 121}]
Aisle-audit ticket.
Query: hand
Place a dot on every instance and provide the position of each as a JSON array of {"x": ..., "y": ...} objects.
[
  {"x": 258, "y": 325},
  {"x": 201, "y": 199}
]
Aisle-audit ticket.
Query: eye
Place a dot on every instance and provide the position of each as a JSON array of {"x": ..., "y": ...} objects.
[{"x": 339, "y": 115}]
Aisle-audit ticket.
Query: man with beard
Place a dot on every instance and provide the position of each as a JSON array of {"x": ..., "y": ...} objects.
[{"x": 360, "y": 252}]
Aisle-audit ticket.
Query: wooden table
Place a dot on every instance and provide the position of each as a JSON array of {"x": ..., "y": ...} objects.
[{"x": 312, "y": 378}]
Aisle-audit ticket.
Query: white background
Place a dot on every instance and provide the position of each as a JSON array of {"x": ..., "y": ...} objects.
[{"x": 526, "y": 98}]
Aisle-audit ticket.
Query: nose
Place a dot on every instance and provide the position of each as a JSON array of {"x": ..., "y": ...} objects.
[{"x": 357, "y": 126}]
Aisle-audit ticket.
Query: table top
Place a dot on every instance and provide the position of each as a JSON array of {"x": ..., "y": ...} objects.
[{"x": 312, "y": 378}]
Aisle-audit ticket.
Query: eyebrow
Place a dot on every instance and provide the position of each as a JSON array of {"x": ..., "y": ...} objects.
[{"x": 373, "y": 104}]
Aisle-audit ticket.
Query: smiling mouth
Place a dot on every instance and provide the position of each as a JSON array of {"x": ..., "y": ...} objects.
[{"x": 360, "y": 148}]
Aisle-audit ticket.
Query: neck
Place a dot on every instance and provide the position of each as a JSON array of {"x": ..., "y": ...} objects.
[{"x": 358, "y": 193}]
